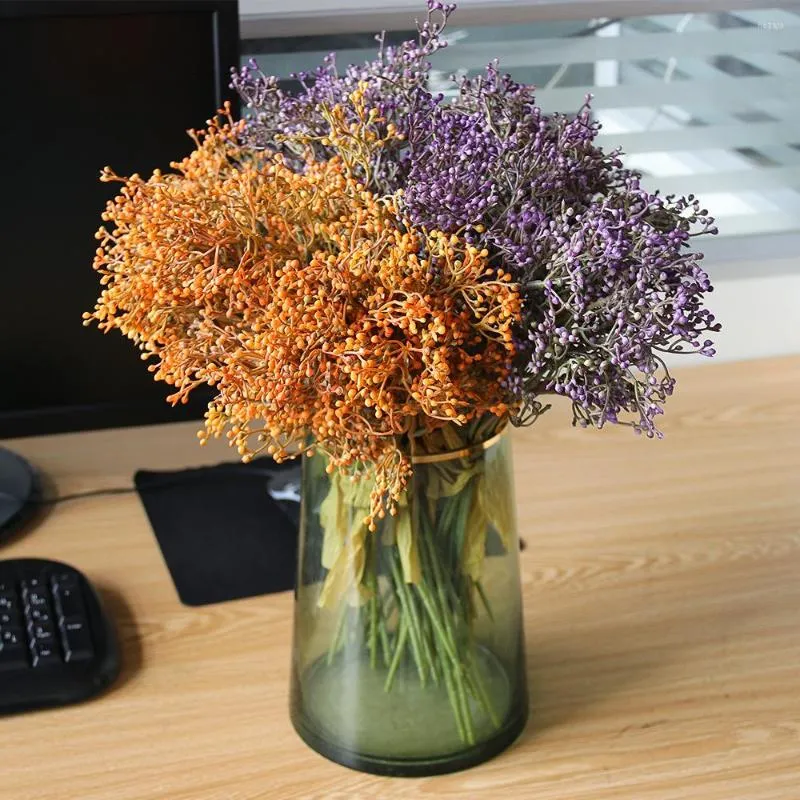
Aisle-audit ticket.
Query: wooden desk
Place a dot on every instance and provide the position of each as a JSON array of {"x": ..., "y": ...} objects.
[{"x": 662, "y": 600}]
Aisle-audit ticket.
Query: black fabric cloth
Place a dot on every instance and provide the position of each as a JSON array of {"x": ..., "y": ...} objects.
[{"x": 221, "y": 532}]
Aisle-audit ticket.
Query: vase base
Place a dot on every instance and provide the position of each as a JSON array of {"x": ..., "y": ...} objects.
[
  {"x": 416, "y": 766},
  {"x": 503, "y": 738},
  {"x": 342, "y": 709}
]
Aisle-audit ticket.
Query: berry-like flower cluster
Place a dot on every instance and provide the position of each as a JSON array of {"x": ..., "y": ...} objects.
[
  {"x": 607, "y": 278},
  {"x": 312, "y": 308}
]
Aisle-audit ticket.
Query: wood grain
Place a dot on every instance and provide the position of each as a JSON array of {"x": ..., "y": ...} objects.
[{"x": 662, "y": 606}]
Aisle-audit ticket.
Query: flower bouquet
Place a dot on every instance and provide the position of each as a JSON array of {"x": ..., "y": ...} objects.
[{"x": 380, "y": 281}]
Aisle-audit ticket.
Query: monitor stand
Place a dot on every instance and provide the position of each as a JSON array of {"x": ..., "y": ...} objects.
[{"x": 19, "y": 492}]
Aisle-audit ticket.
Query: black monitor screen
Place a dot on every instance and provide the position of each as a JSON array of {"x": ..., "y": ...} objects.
[{"x": 79, "y": 93}]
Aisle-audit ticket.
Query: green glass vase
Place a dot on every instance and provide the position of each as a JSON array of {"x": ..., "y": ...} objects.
[{"x": 408, "y": 653}]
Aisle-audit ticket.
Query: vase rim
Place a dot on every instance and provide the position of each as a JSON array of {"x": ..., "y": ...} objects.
[{"x": 462, "y": 452}]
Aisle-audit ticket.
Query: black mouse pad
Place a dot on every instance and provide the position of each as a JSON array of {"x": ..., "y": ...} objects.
[{"x": 221, "y": 531}]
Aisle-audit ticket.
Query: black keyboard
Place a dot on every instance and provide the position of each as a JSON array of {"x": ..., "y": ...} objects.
[{"x": 56, "y": 643}]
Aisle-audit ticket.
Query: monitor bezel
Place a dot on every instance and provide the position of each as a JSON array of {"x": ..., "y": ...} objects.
[{"x": 226, "y": 48}]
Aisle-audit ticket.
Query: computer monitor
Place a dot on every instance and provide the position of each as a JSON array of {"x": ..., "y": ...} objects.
[{"x": 89, "y": 84}]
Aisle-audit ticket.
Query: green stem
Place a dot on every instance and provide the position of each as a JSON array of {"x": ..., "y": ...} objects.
[
  {"x": 438, "y": 626},
  {"x": 451, "y": 693},
  {"x": 442, "y": 624},
  {"x": 462, "y": 611},
  {"x": 427, "y": 534},
  {"x": 384, "y": 640},
  {"x": 462, "y": 697},
  {"x": 448, "y": 640},
  {"x": 429, "y": 642},
  {"x": 485, "y": 599},
  {"x": 479, "y": 690},
  {"x": 402, "y": 635},
  {"x": 410, "y": 611}
]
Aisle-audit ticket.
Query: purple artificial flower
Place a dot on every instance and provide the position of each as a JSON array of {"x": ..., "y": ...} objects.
[{"x": 608, "y": 280}]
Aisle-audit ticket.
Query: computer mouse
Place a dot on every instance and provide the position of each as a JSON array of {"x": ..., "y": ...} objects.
[{"x": 19, "y": 492}]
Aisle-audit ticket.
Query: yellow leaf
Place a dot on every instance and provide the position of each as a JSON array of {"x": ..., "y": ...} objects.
[
  {"x": 333, "y": 519},
  {"x": 345, "y": 575},
  {"x": 407, "y": 546},
  {"x": 357, "y": 492},
  {"x": 495, "y": 489},
  {"x": 475, "y": 529}
]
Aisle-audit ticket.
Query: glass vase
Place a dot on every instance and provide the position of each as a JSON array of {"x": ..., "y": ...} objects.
[{"x": 408, "y": 653}]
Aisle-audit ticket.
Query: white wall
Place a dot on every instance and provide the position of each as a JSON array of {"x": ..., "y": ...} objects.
[{"x": 760, "y": 316}]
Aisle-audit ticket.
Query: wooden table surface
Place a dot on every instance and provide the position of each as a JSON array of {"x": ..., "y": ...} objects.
[{"x": 662, "y": 602}]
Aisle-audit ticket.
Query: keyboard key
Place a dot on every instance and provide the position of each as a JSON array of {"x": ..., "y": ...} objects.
[
  {"x": 13, "y": 657},
  {"x": 13, "y": 650},
  {"x": 42, "y": 633},
  {"x": 44, "y": 655},
  {"x": 8, "y": 601},
  {"x": 11, "y": 637},
  {"x": 67, "y": 580},
  {"x": 40, "y": 615},
  {"x": 34, "y": 599},
  {"x": 7, "y": 619},
  {"x": 76, "y": 642},
  {"x": 68, "y": 603}
]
